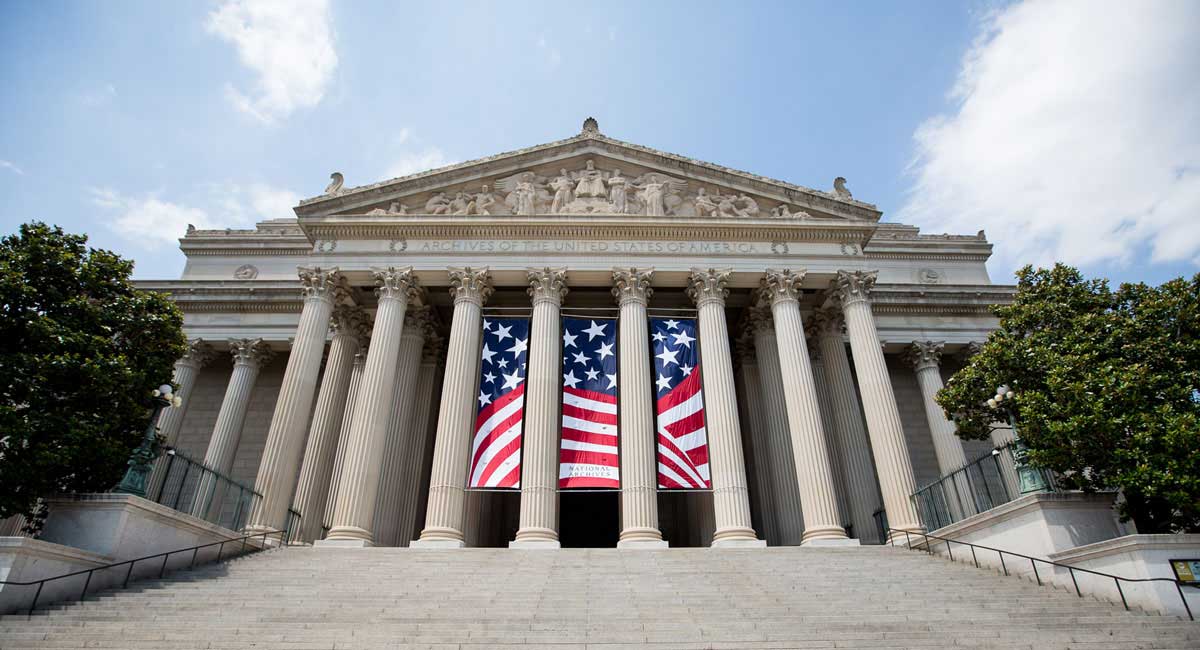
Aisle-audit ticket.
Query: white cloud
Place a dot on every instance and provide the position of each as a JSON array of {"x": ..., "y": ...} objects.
[
  {"x": 12, "y": 167},
  {"x": 1075, "y": 136},
  {"x": 99, "y": 96},
  {"x": 416, "y": 161},
  {"x": 272, "y": 202},
  {"x": 288, "y": 44}
]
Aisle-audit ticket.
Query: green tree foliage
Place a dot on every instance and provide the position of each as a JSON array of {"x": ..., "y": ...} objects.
[
  {"x": 1106, "y": 388},
  {"x": 80, "y": 352}
]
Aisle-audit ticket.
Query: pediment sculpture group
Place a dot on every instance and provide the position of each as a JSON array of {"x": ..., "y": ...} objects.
[{"x": 594, "y": 191}]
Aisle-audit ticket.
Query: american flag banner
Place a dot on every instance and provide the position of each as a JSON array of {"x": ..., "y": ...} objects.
[
  {"x": 588, "y": 453},
  {"x": 679, "y": 406},
  {"x": 496, "y": 445}
]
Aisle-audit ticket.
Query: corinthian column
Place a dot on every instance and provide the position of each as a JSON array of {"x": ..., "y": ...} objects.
[
  {"x": 813, "y": 469},
  {"x": 731, "y": 503},
  {"x": 862, "y": 492},
  {"x": 417, "y": 428},
  {"x": 926, "y": 357},
  {"x": 356, "y": 373},
  {"x": 285, "y": 439},
  {"x": 821, "y": 379},
  {"x": 249, "y": 355},
  {"x": 784, "y": 486},
  {"x": 639, "y": 485},
  {"x": 354, "y": 512},
  {"x": 452, "y": 444},
  {"x": 754, "y": 409},
  {"x": 198, "y": 355},
  {"x": 892, "y": 461},
  {"x": 399, "y": 444},
  {"x": 543, "y": 388},
  {"x": 312, "y": 490}
]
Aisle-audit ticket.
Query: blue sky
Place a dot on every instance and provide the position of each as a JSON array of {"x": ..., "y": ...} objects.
[{"x": 1067, "y": 129}]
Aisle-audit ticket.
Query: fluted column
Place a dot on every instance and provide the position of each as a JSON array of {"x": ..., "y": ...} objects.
[
  {"x": 356, "y": 373},
  {"x": 280, "y": 464},
  {"x": 417, "y": 427},
  {"x": 639, "y": 482},
  {"x": 399, "y": 443},
  {"x": 312, "y": 490},
  {"x": 354, "y": 512},
  {"x": 753, "y": 406},
  {"x": 892, "y": 461},
  {"x": 862, "y": 491},
  {"x": 926, "y": 357},
  {"x": 731, "y": 504},
  {"x": 186, "y": 369},
  {"x": 452, "y": 444},
  {"x": 821, "y": 380},
  {"x": 543, "y": 391},
  {"x": 813, "y": 469},
  {"x": 249, "y": 356},
  {"x": 784, "y": 486}
]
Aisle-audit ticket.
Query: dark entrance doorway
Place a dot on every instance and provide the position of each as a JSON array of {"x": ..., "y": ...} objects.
[{"x": 589, "y": 519}]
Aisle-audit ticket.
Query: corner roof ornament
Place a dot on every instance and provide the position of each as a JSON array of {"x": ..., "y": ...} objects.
[{"x": 591, "y": 126}]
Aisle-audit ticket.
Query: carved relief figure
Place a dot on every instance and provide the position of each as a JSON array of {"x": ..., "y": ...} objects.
[
  {"x": 704, "y": 203},
  {"x": 397, "y": 208},
  {"x": 523, "y": 192},
  {"x": 591, "y": 182},
  {"x": 839, "y": 188},
  {"x": 726, "y": 205},
  {"x": 483, "y": 201},
  {"x": 653, "y": 190},
  {"x": 749, "y": 207},
  {"x": 437, "y": 204},
  {"x": 616, "y": 191},
  {"x": 562, "y": 192},
  {"x": 335, "y": 186},
  {"x": 459, "y": 205}
]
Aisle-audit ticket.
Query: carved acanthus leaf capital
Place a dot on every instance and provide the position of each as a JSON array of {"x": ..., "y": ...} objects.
[
  {"x": 198, "y": 354},
  {"x": 853, "y": 286},
  {"x": 706, "y": 286},
  {"x": 396, "y": 284},
  {"x": 416, "y": 321},
  {"x": 547, "y": 284},
  {"x": 758, "y": 319},
  {"x": 470, "y": 285},
  {"x": 250, "y": 352},
  {"x": 744, "y": 351},
  {"x": 781, "y": 285},
  {"x": 632, "y": 285},
  {"x": 828, "y": 322},
  {"x": 347, "y": 320},
  {"x": 434, "y": 344},
  {"x": 925, "y": 354},
  {"x": 969, "y": 350},
  {"x": 323, "y": 284}
]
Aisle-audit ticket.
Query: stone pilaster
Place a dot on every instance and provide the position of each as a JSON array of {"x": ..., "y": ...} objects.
[
  {"x": 543, "y": 389},
  {"x": 753, "y": 407},
  {"x": 312, "y": 490},
  {"x": 731, "y": 502},
  {"x": 399, "y": 442},
  {"x": 186, "y": 369},
  {"x": 639, "y": 483},
  {"x": 418, "y": 436},
  {"x": 354, "y": 512},
  {"x": 862, "y": 491},
  {"x": 781, "y": 289},
  {"x": 853, "y": 289},
  {"x": 452, "y": 443},
  {"x": 356, "y": 373},
  {"x": 785, "y": 487},
  {"x": 280, "y": 464},
  {"x": 249, "y": 356}
]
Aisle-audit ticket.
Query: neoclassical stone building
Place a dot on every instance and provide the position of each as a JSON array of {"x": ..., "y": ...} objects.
[{"x": 336, "y": 354}]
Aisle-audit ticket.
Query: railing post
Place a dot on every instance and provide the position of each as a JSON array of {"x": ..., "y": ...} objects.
[
  {"x": 128, "y": 573},
  {"x": 1002, "y": 564},
  {"x": 1071, "y": 570},
  {"x": 192, "y": 564},
  {"x": 86, "y": 583},
  {"x": 948, "y": 551},
  {"x": 974, "y": 558},
  {"x": 163, "y": 569},
  {"x": 1122, "y": 592},
  {"x": 37, "y": 594},
  {"x": 220, "y": 550},
  {"x": 1186, "y": 608},
  {"x": 1035, "y": 571}
]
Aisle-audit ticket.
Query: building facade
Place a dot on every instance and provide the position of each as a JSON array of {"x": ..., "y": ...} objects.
[{"x": 336, "y": 356}]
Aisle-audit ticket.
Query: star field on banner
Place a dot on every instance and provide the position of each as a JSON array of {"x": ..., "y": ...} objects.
[
  {"x": 679, "y": 407},
  {"x": 588, "y": 454},
  {"x": 496, "y": 445}
]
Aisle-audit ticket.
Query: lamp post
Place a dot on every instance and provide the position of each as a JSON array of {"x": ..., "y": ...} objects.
[
  {"x": 1030, "y": 479},
  {"x": 138, "y": 473}
]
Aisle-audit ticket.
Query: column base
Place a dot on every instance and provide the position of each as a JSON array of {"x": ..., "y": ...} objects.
[
  {"x": 823, "y": 534},
  {"x": 534, "y": 544},
  {"x": 845, "y": 541},
  {"x": 437, "y": 543},
  {"x": 643, "y": 543},
  {"x": 343, "y": 543},
  {"x": 738, "y": 542},
  {"x": 350, "y": 534}
]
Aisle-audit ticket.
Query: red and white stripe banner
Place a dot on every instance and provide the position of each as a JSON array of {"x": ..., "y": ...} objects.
[
  {"x": 682, "y": 440},
  {"x": 588, "y": 453},
  {"x": 496, "y": 445}
]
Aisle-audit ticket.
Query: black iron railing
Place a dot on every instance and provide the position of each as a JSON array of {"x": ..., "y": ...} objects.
[
  {"x": 129, "y": 565},
  {"x": 926, "y": 542},
  {"x": 184, "y": 484},
  {"x": 981, "y": 485}
]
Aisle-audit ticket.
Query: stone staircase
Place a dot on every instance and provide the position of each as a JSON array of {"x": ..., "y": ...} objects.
[{"x": 869, "y": 597}]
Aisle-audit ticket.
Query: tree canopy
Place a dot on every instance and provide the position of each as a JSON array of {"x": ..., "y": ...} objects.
[
  {"x": 1105, "y": 387},
  {"x": 81, "y": 350}
]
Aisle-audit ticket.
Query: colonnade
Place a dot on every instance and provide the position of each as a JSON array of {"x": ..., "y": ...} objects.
[{"x": 355, "y": 461}]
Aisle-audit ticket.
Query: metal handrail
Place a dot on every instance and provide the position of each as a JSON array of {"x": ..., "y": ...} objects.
[
  {"x": 1033, "y": 562},
  {"x": 162, "y": 570},
  {"x": 199, "y": 497}
]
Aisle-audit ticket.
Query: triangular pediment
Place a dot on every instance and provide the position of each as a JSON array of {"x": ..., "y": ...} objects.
[{"x": 588, "y": 174}]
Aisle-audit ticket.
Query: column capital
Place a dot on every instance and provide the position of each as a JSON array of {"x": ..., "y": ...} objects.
[
  {"x": 198, "y": 354},
  {"x": 781, "y": 285},
  {"x": 969, "y": 350},
  {"x": 828, "y": 322},
  {"x": 811, "y": 331},
  {"x": 744, "y": 351},
  {"x": 632, "y": 285},
  {"x": 758, "y": 319},
  {"x": 347, "y": 320},
  {"x": 396, "y": 284},
  {"x": 250, "y": 352},
  {"x": 547, "y": 285},
  {"x": 925, "y": 354},
  {"x": 705, "y": 286},
  {"x": 470, "y": 285},
  {"x": 853, "y": 286},
  {"x": 432, "y": 350},
  {"x": 323, "y": 284},
  {"x": 416, "y": 321}
]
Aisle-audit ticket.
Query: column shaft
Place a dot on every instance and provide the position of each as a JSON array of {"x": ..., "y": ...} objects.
[
  {"x": 418, "y": 438},
  {"x": 785, "y": 487},
  {"x": 821, "y": 379},
  {"x": 543, "y": 392},
  {"x": 399, "y": 443},
  {"x": 356, "y": 373},
  {"x": 186, "y": 371},
  {"x": 926, "y": 358},
  {"x": 755, "y": 418}
]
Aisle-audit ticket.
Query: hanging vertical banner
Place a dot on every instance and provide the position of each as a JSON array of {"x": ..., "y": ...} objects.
[
  {"x": 679, "y": 406},
  {"x": 496, "y": 445},
  {"x": 588, "y": 453}
]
